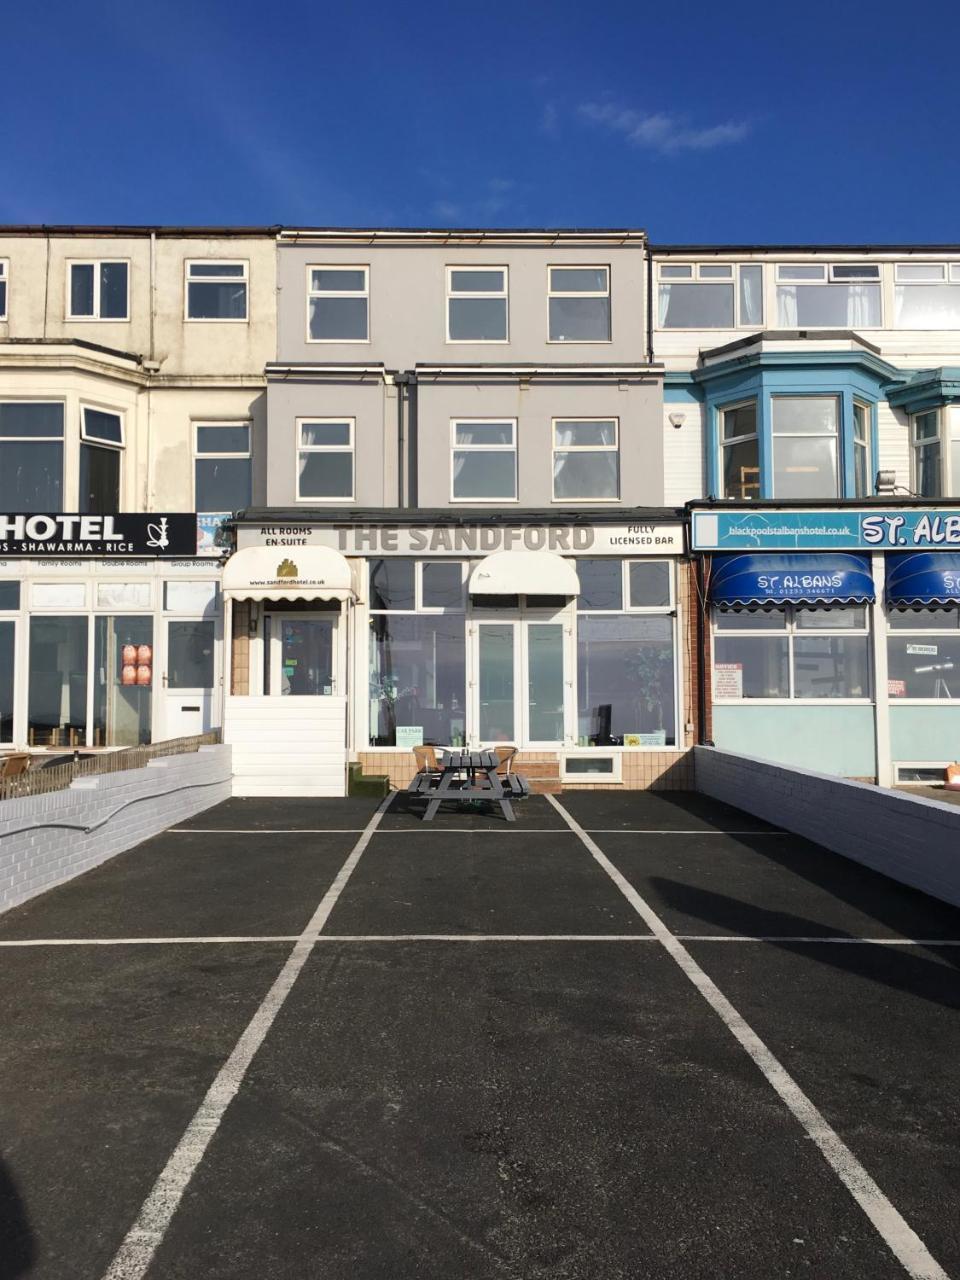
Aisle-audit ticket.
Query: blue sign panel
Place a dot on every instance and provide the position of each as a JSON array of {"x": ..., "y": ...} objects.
[{"x": 866, "y": 529}]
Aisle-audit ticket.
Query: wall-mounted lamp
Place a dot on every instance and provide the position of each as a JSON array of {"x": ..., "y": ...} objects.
[
  {"x": 677, "y": 420},
  {"x": 254, "y": 623},
  {"x": 886, "y": 482}
]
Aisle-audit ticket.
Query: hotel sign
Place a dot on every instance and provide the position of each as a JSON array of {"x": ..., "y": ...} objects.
[
  {"x": 167, "y": 535},
  {"x": 866, "y": 529},
  {"x": 469, "y": 539}
]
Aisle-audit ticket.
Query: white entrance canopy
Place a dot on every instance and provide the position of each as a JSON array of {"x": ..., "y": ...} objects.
[
  {"x": 512, "y": 573},
  {"x": 294, "y": 573}
]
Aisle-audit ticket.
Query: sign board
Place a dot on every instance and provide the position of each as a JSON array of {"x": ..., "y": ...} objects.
[
  {"x": 862, "y": 529},
  {"x": 211, "y": 534},
  {"x": 896, "y": 688},
  {"x": 927, "y": 650},
  {"x": 728, "y": 679},
  {"x": 656, "y": 739},
  {"x": 467, "y": 540},
  {"x": 123, "y": 534},
  {"x": 409, "y": 735}
]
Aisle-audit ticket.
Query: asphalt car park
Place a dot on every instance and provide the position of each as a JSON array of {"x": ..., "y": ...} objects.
[{"x": 629, "y": 1035}]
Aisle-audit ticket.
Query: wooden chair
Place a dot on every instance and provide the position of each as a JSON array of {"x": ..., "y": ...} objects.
[
  {"x": 505, "y": 754},
  {"x": 428, "y": 768},
  {"x": 13, "y": 765},
  {"x": 515, "y": 784}
]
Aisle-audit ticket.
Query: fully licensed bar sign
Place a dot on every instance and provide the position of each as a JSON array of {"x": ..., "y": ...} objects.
[
  {"x": 470, "y": 539},
  {"x": 123, "y": 534},
  {"x": 908, "y": 529}
]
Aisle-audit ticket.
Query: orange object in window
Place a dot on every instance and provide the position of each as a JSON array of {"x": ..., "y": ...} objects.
[{"x": 953, "y": 777}]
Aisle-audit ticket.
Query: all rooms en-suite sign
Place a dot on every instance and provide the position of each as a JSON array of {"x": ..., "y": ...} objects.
[{"x": 470, "y": 539}]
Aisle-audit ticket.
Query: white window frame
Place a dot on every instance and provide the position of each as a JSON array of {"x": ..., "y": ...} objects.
[
  {"x": 503, "y": 293},
  {"x": 485, "y": 448},
  {"x": 614, "y": 754},
  {"x": 723, "y": 443},
  {"x": 943, "y": 278},
  {"x": 198, "y": 456},
  {"x": 866, "y": 443},
  {"x": 828, "y": 278},
  {"x": 338, "y": 293},
  {"x": 200, "y": 279},
  {"x": 85, "y": 436},
  {"x": 418, "y": 605},
  {"x": 921, "y": 634},
  {"x": 326, "y": 448},
  {"x": 791, "y": 630},
  {"x": 584, "y": 448},
  {"x": 96, "y": 317},
  {"x": 836, "y": 436},
  {"x": 5, "y": 281},
  {"x": 696, "y": 276},
  {"x": 942, "y": 442},
  {"x": 578, "y": 293},
  {"x": 626, "y": 606}
]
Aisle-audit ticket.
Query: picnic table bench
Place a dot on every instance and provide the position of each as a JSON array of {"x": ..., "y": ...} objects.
[{"x": 468, "y": 775}]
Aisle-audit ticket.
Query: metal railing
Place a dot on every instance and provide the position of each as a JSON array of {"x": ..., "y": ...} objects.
[{"x": 37, "y": 780}]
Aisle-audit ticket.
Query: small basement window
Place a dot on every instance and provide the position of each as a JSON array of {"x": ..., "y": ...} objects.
[
  {"x": 591, "y": 768},
  {"x": 928, "y": 775}
]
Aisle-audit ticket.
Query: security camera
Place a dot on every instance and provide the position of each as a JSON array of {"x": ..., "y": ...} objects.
[{"x": 677, "y": 420}]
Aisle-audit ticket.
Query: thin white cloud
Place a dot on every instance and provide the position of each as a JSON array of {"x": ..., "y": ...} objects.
[{"x": 661, "y": 131}]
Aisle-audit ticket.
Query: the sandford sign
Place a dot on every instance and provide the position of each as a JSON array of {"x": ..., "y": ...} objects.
[
  {"x": 470, "y": 539},
  {"x": 48, "y": 534},
  {"x": 855, "y": 529}
]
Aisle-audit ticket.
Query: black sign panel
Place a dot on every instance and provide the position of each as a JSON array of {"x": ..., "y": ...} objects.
[{"x": 120, "y": 534}]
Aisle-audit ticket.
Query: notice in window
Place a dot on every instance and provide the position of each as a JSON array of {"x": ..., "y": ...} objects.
[
  {"x": 896, "y": 688},
  {"x": 728, "y": 680},
  {"x": 409, "y": 735}
]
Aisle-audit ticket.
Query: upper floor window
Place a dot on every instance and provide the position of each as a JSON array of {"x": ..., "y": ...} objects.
[
  {"x": 936, "y": 453},
  {"x": 484, "y": 461},
  {"x": 710, "y": 295},
  {"x": 216, "y": 290},
  {"x": 836, "y": 295},
  {"x": 222, "y": 467},
  {"x": 101, "y": 445},
  {"x": 805, "y": 430},
  {"x": 338, "y": 303},
  {"x": 927, "y": 295},
  {"x": 862, "y": 450},
  {"x": 4, "y": 267},
  {"x": 586, "y": 460},
  {"x": 31, "y": 456},
  {"x": 98, "y": 291},
  {"x": 740, "y": 451},
  {"x": 325, "y": 459},
  {"x": 579, "y": 304},
  {"x": 477, "y": 304}
]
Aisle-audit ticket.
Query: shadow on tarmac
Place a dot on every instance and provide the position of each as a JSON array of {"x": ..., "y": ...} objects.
[
  {"x": 17, "y": 1246},
  {"x": 897, "y": 967}
]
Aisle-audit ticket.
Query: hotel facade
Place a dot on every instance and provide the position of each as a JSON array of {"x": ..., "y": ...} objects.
[{"x": 340, "y": 493}]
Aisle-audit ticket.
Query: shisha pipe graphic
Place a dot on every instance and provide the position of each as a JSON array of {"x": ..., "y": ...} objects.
[{"x": 158, "y": 534}]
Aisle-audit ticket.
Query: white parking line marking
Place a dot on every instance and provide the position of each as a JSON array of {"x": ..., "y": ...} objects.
[
  {"x": 263, "y": 831},
  {"x": 893, "y": 1228},
  {"x": 143, "y": 1239},
  {"x": 227, "y": 939},
  {"x": 430, "y": 830}
]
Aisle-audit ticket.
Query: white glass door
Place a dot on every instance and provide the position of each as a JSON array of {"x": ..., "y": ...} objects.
[
  {"x": 188, "y": 676},
  {"x": 522, "y": 691},
  {"x": 303, "y": 655}
]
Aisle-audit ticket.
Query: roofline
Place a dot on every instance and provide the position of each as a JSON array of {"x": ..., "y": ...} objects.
[
  {"x": 131, "y": 231},
  {"x": 446, "y": 235},
  {"x": 669, "y": 249}
]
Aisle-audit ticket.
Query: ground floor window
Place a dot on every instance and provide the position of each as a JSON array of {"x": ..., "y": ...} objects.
[
  {"x": 57, "y": 702},
  {"x": 791, "y": 652},
  {"x": 923, "y": 653},
  {"x": 625, "y": 680},
  {"x": 7, "y": 656},
  {"x": 123, "y": 681},
  {"x": 417, "y": 680}
]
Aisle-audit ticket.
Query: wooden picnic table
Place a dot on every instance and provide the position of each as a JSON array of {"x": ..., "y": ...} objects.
[{"x": 468, "y": 775}]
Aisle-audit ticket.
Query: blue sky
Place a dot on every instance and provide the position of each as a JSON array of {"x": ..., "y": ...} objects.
[{"x": 722, "y": 122}]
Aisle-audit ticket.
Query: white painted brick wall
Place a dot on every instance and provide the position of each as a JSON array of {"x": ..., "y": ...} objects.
[
  {"x": 47, "y": 839},
  {"x": 910, "y": 838}
]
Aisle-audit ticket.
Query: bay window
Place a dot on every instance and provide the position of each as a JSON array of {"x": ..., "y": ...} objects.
[
  {"x": 829, "y": 295},
  {"x": 791, "y": 652},
  {"x": 740, "y": 451},
  {"x": 586, "y": 460},
  {"x": 927, "y": 455},
  {"x": 101, "y": 445},
  {"x": 805, "y": 430},
  {"x": 862, "y": 451},
  {"x": 31, "y": 456}
]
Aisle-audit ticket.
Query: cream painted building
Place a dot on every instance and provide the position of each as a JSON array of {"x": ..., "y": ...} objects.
[{"x": 131, "y": 381}]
